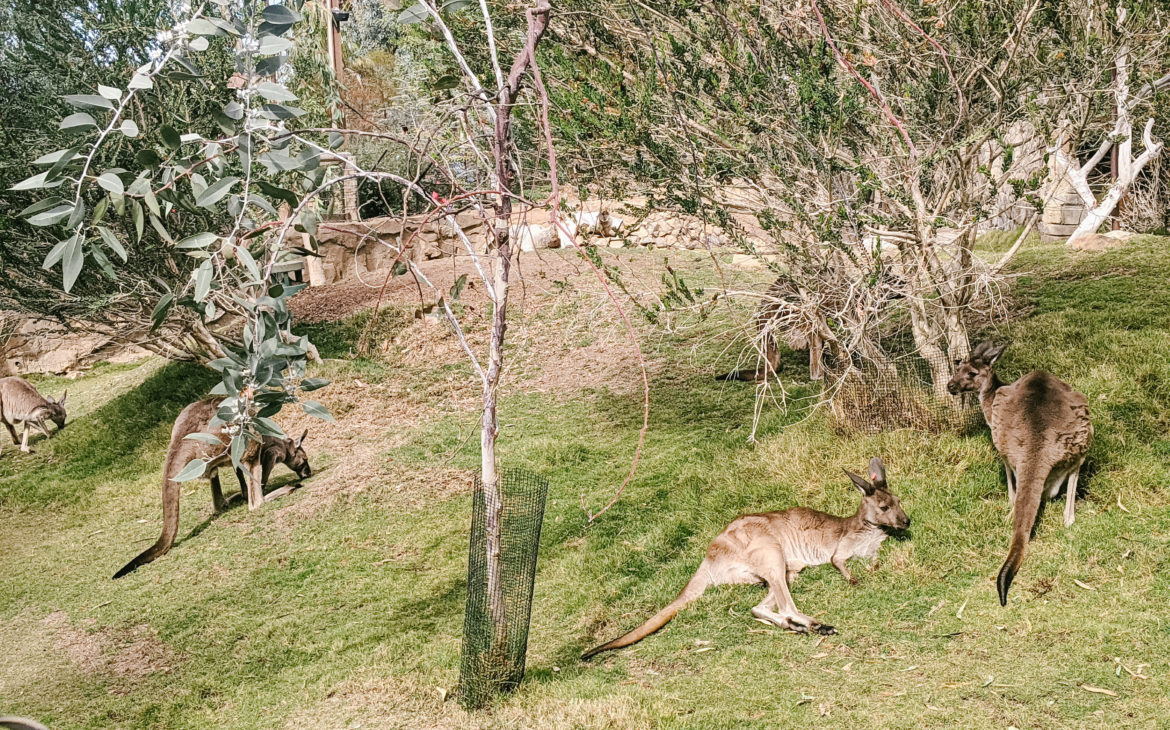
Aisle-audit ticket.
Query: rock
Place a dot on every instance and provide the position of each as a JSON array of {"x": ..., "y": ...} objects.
[
  {"x": 746, "y": 261},
  {"x": 1120, "y": 235},
  {"x": 1095, "y": 242}
]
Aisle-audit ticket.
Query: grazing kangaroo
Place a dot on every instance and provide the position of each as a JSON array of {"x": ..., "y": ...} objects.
[
  {"x": 1041, "y": 428},
  {"x": 774, "y": 547},
  {"x": 20, "y": 401},
  {"x": 260, "y": 460},
  {"x": 781, "y": 291}
]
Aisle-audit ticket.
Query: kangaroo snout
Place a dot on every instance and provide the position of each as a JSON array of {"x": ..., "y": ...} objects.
[{"x": 953, "y": 388}]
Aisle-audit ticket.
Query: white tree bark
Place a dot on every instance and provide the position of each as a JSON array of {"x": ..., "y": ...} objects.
[
  {"x": 1128, "y": 168},
  {"x": 1100, "y": 210}
]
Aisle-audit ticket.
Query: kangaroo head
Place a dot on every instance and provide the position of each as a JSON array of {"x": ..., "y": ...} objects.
[
  {"x": 295, "y": 457},
  {"x": 974, "y": 373},
  {"x": 57, "y": 410},
  {"x": 879, "y": 506}
]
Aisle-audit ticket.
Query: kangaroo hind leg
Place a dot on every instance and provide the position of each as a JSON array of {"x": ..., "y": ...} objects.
[
  {"x": 1070, "y": 500},
  {"x": 778, "y": 607},
  {"x": 217, "y": 499}
]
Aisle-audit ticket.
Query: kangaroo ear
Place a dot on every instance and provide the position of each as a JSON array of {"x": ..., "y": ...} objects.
[
  {"x": 877, "y": 471},
  {"x": 63, "y": 397},
  {"x": 865, "y": 487},
  {"x": 992, "y": 353},
  {"x": 301, "y": 440}
]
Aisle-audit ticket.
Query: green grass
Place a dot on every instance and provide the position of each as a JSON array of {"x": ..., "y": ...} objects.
[{"x": 350, "y": 612}]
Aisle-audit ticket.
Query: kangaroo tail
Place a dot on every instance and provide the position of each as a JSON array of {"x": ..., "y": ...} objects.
[
  {"x": 770, "y": 361},
  {"x": 750, "y": 376},
  {"x": 695, "y": 587},
  {"x": 170, "y": 498},
  {"x": 1030, "y": 482}
]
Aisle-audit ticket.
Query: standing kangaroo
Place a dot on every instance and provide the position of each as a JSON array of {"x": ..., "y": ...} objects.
[
  {"x": 781, "y": 290},
  {"x": 774, "y": 547},
  {"x": 260, "y": 459},
  {"x": 20, "y": 401},
  {"x": 1041, "y": 428}
]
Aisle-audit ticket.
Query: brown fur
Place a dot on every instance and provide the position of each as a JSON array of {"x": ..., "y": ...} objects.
[
  {"x": 259, "y": 459},
  {"x": 20, "y": 401},
  {"x": 774, "y": 547},
  {"x": 781, "y": 290},
  {"x": 1041, "y": 428}
]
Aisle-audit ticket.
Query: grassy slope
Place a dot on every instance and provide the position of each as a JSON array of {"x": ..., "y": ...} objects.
[{"x": 354, "y": 613}]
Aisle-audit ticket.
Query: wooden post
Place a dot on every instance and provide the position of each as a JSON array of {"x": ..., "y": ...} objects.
[{"x": 314, "y": 267}]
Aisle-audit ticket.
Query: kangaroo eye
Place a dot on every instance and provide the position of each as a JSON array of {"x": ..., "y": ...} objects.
[{"x": 885, "y": 508}]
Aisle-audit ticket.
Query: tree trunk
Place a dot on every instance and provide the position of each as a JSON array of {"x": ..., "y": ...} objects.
[{"x": 489, "y": 425}]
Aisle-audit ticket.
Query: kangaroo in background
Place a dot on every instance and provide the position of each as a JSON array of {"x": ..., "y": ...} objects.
[
  {"x": 782, "y": 289},
  {"x": 260, "y": 459},
  {"x": 20, "y": 401},
  {"x": 1041, "y": 428},
  {"x": 774, "y": 547}
]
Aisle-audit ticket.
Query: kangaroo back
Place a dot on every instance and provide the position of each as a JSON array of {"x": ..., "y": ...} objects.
[
  {"x": 20, "y": 401},
  {"x": 695, "y": 587},
  {"x": 1030, "y": 483}
]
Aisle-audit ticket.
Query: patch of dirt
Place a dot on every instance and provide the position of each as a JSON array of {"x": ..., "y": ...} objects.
[
  {"x": 125, "y": 654},
  {"x": 369, "y": 419},
  {"x": 536, "y": 270}
]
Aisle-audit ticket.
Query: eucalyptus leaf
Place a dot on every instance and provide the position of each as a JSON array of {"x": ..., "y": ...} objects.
[
  {"x": 203, "y": 280},
  {"x": 112, "y": 241},
  {"x": 270, "y": 45},
  {"x": 199, "y": 240},
  {"x": 80, "y": 120},
  {"x": 281, "y": 15},
  {"x": 40, "y": 180},
  {"x": 216, "y": 191},
  {"x": 51, "y": 216},
  {"x": 267, "y": 427},
  {"x": 414, "y": 14},
  {"x": 274, "y": 92},
  {"x": 205, "y": 438},
  {"x": 316, "y": 410},
  {"x": 71, "y": 262},
  {"x": 239, "y": 443},
  {"x": 193, "y": 470},
  {"x": 161, "y": 309},
  {"x": 89, "y": 101},
  {"x": 57, "y": 252},
  {"x": 54, "y": 157},
  {"x": 112, "y": 183}
]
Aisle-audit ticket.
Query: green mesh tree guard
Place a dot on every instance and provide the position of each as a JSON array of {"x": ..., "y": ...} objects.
[{"x": 495, "y": 633}]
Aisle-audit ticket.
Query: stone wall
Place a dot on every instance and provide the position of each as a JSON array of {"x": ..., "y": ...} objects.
[
  {"x": 353, "y": 248},
  {"x": 40, "y": 346}
]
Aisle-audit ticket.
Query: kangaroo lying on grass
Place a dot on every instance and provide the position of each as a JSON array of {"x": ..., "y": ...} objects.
[
  {"x": 260, "y": 460},
  {"x": 20, "y": 401},
  {"x": 774, "y": 547},
  {"x": 1041, "y": 428}
]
